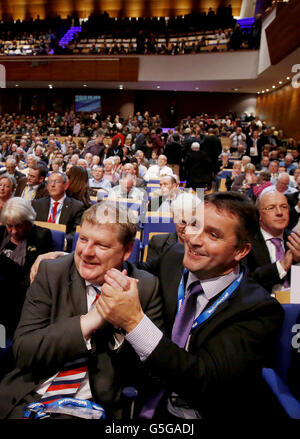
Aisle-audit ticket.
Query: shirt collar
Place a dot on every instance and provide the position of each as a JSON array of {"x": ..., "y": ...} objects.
[
  {"x": 33, "y": 188},
  {"x": 90, "y": 288},
  {"x": 60, "y": 201},
  {"x": 215, "y": 285},
  {"x": 268, "y": 236}
]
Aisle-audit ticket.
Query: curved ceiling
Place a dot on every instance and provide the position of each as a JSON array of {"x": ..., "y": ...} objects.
[{"x": 25, "y": 9}]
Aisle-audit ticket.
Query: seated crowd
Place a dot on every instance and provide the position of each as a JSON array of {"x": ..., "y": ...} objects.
[
  {"x": 104, "y": 35},
  {"x": 250, "y": 175}
]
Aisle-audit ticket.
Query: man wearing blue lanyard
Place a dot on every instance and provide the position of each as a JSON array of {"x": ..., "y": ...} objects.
[{"x": 208, "y": 362}]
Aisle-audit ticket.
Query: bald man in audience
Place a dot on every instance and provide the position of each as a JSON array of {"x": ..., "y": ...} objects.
[
  {"x": 282, "y": 185},
  {"x": 274, "y": 248},
  {"x": 161, "y": 169},
  {"x": 162, "y": 199}
]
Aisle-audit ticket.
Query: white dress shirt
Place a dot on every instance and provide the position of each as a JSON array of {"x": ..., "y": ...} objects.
[
  {"x": 272, "y": 252},
  {"x": 156, "y": 171},
  {"x": 59, "y": 208},
  {"x": 84, "y": 391},
  {"x": 145, "y": 336}
]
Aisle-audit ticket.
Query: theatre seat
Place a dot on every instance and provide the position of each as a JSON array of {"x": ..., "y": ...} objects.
[{"x": 277, "y": 378}]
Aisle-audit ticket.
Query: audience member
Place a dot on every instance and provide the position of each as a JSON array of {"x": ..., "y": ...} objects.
[
  {"x": 294, "y": 203},
  {"x": 282, "y": 185},
  {"x": 59, "y": 208},
  {"x": 182, "y": 209},
  {"x": 236, "y": 170},
  {"x": 230, "y": 348},
  {"x": 155, "y": 172},
  {"x": 33, "y": 186},
  {"x": 96, "y": 147},
  {"x": 126, "y": 189},
  {"x": 161, "y": 200},
  {"x": 7, "y": 188},
  {"x": 20, "y": 243},
  {"x": 70, "y": 329},
  {"x": 273, "y": 248},
  {"x": 237, "y": 138},
  {"x": 78, "y": 185},
  {"x": 11, "y": 168},
  {"x": 173, "y": 152},
  {"x": 133, "y": 169},
  {"x": 98, "y": 181},
  {"x": 262, "y": 182}
]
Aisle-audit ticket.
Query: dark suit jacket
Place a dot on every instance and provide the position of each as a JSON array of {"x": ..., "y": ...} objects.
[
  {"x": 17, "y": 175},
  {"x": 259, "y": 263},
  {"x": 159, "y": 243},
  {"x": 220, "y": 375},
  {"x": 70, "y": 215},
  {"x": 294, "y": 215},
  {"x": 49, "y": 335},
  {"x": 15, "y": 279},
  {"x": 41, "y": 192},
  {"x": 259, "y": 144}
]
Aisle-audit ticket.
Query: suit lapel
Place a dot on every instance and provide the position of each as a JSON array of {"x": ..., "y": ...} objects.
[
  {"x": 260, "y": 249},
  {"x": 45, "y": 207},
  {"x": 64, "y": 216},
  {"x": 77, "y": 290}
]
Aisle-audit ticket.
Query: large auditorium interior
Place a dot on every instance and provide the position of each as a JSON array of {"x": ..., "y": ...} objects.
[{"x": 150, "y": 213}]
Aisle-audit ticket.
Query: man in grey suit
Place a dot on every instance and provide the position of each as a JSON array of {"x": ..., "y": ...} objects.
[{"x": 60, "y": 322}]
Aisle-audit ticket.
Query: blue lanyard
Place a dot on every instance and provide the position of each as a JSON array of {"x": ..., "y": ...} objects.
[{"x": 208, "y": 312}]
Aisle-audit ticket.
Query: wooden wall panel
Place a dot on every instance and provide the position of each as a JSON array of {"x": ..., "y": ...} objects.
[
  {"x": 283, "y": 34},
  {"x": 281, "y": 109},
  {"x": 117, "y": 69},
  {"x": 126, "y": 101}
]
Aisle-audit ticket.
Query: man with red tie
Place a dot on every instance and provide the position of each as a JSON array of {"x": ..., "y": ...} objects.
[{"x": 58, "y": 207}]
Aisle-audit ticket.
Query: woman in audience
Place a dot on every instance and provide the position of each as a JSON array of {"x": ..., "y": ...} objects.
[
  {"x": 243, "y": 182},
  {"x": 21, "y": 242},
  {"x": 115, "y": 148},
  {"x": 78, "y": 185},
  {"x": 7, "y": 188}
]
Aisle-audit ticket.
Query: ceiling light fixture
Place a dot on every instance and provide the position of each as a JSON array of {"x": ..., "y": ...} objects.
[
  {"x": 279, "y": 82},
  {"x": 288, "y": 78}
]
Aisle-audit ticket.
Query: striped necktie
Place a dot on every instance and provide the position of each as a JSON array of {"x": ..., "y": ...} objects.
[{"x": 67, "y": 382}]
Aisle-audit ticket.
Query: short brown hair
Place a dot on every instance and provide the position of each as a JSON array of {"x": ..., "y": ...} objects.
[
  {"x": 110, "y": 212},
  {"x": 242, "y": 208}
]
